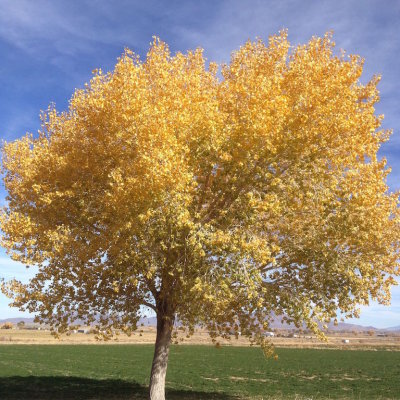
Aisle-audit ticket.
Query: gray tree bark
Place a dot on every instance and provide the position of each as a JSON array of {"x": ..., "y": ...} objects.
[{"x": 160, "y": 359}]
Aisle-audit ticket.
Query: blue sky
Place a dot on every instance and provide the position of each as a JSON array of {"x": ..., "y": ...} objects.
[{"x": 49, "y": 48}]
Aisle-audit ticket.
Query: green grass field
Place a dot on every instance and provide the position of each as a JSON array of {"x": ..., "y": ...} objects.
[{"x": 196, "y": 372}]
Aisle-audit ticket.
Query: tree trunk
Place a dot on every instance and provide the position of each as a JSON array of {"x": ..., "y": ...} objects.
[{"x": 160, "y": 359}]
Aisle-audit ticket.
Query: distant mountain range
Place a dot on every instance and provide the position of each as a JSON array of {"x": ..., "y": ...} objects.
[
  {"x": 341, "y": 326},
  {"x": 276, "y": 324},
  {"x": 393, "y": 329},
  {"x": 16, "y": 320}
]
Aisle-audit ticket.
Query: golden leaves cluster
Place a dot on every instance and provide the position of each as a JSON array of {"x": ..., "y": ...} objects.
[{"x": 216, "y": 199}]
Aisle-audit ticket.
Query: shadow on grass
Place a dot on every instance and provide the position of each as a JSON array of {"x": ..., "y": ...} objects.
[{"x": 75, "y": 388}]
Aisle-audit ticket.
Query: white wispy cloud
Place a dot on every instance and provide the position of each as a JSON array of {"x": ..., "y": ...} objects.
[
  {"x": 32, "y": 26},
  {"x": 69, "y": 28}
]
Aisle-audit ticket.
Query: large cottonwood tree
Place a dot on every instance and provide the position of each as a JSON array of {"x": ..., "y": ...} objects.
[{"x": 213, "y": 199}]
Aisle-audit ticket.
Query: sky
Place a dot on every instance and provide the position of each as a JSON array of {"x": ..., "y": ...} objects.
[{"x": 49, "y": 48}]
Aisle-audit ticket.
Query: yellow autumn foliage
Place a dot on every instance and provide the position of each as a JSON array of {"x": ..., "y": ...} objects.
[{"x": 214, "y": 196}]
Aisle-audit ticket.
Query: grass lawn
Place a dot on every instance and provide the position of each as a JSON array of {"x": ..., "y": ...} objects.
[{"x": 52, "y": 372}]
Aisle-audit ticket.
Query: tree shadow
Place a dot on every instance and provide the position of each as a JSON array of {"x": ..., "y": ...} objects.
[{"x": 75, "y": 388}]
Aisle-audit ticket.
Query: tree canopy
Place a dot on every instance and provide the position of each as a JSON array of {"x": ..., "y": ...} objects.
[{"x": 213, "y": 196}]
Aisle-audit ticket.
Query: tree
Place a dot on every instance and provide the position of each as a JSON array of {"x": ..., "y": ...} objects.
[
  {"x": 21, "y": 324},
  {"x": 7, "y": 325},
  {"x": 211, "y": 200}
]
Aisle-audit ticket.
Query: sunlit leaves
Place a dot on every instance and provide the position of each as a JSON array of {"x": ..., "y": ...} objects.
[{"x": 217, "y": 199}]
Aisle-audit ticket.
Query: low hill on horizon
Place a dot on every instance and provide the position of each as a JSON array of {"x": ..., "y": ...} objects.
[
  {"x": 16, "y": 320},
  {"x": 393, "y": 328},
  {"x": 276, "y": 324}
]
